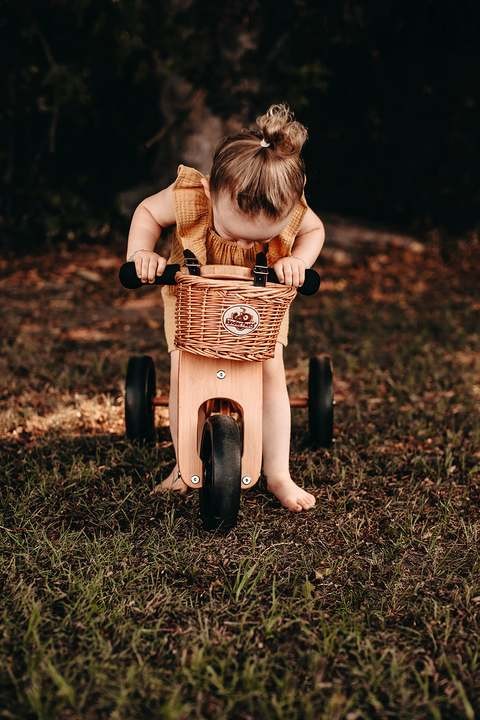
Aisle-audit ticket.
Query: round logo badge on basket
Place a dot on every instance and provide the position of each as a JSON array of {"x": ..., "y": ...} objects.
[{"x": 240, "y": 319}]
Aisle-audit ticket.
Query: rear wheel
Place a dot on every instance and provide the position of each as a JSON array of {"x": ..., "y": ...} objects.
[
  {"x": 222, "y": 467},
  {"x": 139, "y": 395},
  {"x": 320, "y": 401}
]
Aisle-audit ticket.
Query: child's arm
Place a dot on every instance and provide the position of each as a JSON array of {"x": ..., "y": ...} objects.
[
  {"x": 306, "y": 248},
  {"x": 151, "y": 216}
]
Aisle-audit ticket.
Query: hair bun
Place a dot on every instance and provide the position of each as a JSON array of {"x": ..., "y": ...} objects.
[{"x": 278, "y": 127}]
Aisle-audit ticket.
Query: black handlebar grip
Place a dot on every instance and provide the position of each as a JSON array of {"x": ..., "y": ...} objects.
[
  {"x": 130, "y": 280},
  {"x": 310, "y": 284}
]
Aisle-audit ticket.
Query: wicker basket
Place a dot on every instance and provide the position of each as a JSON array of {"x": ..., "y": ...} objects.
[{"x": 229, "y": 318}]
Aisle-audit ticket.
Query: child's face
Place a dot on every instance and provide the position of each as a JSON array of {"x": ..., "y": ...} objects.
[{"x": 231, "y": 223}]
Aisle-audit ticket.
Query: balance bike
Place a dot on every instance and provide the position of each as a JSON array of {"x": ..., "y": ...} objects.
[{"x": 219, "y": 384}]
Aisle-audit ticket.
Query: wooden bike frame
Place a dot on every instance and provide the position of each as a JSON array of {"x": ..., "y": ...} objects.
[{"x": 208, "y": 385}]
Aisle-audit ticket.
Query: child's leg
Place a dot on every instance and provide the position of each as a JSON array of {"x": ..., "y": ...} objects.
[
  {"x": 173, "y": 397},
  {"x": 276, "y": 436},
  {"x": 173, "y": 482}
]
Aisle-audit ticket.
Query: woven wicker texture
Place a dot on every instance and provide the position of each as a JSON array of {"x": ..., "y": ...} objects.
[{"x": 205, "y": 308}]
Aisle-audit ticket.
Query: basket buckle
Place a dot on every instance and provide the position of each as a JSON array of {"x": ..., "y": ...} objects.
[
  {"x": 191, "y": 262},
  {"x": 260, "y": 271}
]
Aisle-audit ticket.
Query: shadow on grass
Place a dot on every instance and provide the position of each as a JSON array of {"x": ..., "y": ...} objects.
[{"x": 97, "y": 484}]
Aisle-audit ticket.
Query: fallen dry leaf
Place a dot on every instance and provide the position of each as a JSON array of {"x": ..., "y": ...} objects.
[{"x": 89, "y": 275}]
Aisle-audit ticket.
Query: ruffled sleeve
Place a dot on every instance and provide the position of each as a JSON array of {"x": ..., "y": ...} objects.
[
  {"x": 191, "y": 211},
  {"x": 281, "y": 246}
]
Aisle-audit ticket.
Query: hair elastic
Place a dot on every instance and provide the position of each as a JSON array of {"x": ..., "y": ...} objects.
[{"x": 264, "y": 143}]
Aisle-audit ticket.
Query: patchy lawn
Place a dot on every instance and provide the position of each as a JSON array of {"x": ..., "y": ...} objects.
[{"x": 117, "y": 605}]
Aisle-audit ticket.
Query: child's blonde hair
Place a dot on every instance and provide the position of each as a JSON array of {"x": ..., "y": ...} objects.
[{"x": 261, "y": 169}]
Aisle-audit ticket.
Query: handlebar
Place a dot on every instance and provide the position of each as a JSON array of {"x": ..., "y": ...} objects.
[{"x": 130, "y": 280}]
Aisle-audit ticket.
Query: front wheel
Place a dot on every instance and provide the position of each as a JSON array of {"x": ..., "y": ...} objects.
[
  {"x": 221, "y": 455},
  {"x": 320, "y": 401}
]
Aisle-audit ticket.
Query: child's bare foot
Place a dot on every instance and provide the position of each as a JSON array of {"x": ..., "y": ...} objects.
[
  {"x": 172, "y": 482},
  {"x": 290, "y": 494}
]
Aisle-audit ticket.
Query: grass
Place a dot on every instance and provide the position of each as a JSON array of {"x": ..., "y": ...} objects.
[{"x": 116, "y": 604}]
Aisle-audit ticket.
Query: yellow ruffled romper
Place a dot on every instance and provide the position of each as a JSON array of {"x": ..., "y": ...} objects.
[{"x": 194, "y": 231}]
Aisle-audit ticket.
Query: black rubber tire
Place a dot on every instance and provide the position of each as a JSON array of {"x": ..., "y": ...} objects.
[
  {"x": 222, "y": 468},
  {"x": 139, "y": 394},
  {"x": 320, "y": 401}
]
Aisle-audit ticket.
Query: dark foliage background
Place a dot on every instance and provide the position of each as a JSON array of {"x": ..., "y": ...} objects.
[{"x": 389, "y": 91}]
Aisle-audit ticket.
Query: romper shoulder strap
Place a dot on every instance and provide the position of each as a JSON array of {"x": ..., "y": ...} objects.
[{"x": 191, "y": 211}]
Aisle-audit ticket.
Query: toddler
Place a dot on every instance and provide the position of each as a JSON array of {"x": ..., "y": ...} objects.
[{"x": 253, "y": 200}]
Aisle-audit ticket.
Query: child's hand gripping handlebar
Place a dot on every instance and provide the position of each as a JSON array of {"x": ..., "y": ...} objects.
[{"x": 130, "y": 280}]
